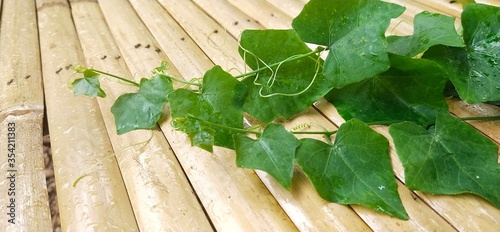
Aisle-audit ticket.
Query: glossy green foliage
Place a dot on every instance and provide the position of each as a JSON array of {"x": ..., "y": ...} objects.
[
  {"x": 448, "y": 158},
  {"x": 430, "y": 29},
  {"x": 143, "y": 109},
  {"x": 353, "y": 31},
  {"x": 288, "y": 81},
  {"x": 474, "y": 70},
  {"x": 88, "y": 85},
  {"x": 411, "y": 90},
  {"x": 273, "y": 152},
  {"x": 220, "y": 101},
  {"x": 356, "y": 169}
]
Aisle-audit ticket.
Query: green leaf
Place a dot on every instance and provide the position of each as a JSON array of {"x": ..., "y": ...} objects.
[
  {"x": 474, "y": 69},
  {"x": 88, "y": 85},
  {"x": 354, "y": 32},
  {"x": 411, "y": 90},
  {"x": 356, "y": 169},
  {"x": 143, "y": 109},
  {"x": 290, "y": 87},
  {"x": 220, "y": 102},
  {"x": 273, "y": 152},
  {"x": 450, "y": 158},
  {"x": 429, "y": 30}
]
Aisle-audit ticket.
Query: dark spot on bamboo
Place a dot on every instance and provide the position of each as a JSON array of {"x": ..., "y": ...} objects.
[
  {"x": 183, "y": 39},
  {"x": 138, "y": 45},
  {"x": 68, "y": 66},
  {"x": 235, "y": 23},
  {"x": 104, "y": 57},
  {"x": 10, "y": 81},
  {"x": 158, "y": 50},
  {"x": 216, "y": 31},
  {"x": 118, "y": 57},
  {"x": 413, "y": 195},
  {"x": 248, "y": 20},
  {"x": 148, "y": 46},
  {"x": 272, "y": 15},
  {"x": 27, "y": 76},
  {"x": 453, "y": 1},
  {"x": 59, "y": 70},
  {"x": 256, "y": 21}
]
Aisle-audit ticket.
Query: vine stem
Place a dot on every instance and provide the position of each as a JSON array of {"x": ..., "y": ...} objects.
[
  {"x": 184, "y": 82},
  {"x": 327, "y": 133},
  {"x": 485, "y": 118},
  {"x": 117, "y": 77},
  {"x": 318, "y": 49}
]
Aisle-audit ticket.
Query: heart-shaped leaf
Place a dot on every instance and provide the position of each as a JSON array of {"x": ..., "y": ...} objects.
[
  {"x": 450, "y": 158},
  {"x": 273, "y": 152},
  {"x": 356, "y": 169},
  {"x": 353, "y": 31},
  {"x": 219, "y": 102},
  {"x": 143, "y": 109},
  {"x": 88, "y": 85},
  {"x": 287, "y": 88}
]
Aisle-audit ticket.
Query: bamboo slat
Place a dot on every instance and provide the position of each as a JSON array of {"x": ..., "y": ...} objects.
[
  {"x": 206, "y": 32},
  {"x": 160, "y": 194},
  {"x": 24, "y": 197},
  {"x": 290, "y": 7},
  {"x": 264, "y": 13},
  {"x": 79, "y": 140}
]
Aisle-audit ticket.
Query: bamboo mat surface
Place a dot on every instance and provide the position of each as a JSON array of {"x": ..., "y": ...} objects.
[{"x": 155, "y": 180}]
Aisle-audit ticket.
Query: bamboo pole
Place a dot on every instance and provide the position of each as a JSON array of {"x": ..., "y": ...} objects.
[
  {"x": 79, "y": 140},
  {"x": 160, "y": 193},
  {"x": 24, "y": 197}
]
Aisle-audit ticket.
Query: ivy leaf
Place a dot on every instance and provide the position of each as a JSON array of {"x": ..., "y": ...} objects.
[
  {"x": 356, "y": 169},
  {"x": 219, "y": 102},
  {"x": 450, "y": 158},
  {"x": 354, "y": 32},
  {"x": 290, "y": 87},
  {"x": 88, "y": 85},
  {"x": 474, "y": 69},
  {"x": 429, "y": 30},
  {"x": 273, "y": 152},
  {"x": 411, "y": 90},
  {"x": 143, "y": 109}
]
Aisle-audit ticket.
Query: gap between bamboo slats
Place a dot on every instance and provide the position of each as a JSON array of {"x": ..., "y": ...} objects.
[
  {"x": 24, "y": 198},
  {"x": 160, "y": 194},
  {"x": 79, "y": 140}
]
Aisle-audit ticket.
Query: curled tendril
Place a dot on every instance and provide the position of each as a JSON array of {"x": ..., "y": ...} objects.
[{"x": 274, "y": 73}]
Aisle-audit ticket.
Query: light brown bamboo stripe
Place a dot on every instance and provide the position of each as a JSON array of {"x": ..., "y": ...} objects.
[
  {"x": 24, "y": 199},
  {"x": 79, "y": 140}
]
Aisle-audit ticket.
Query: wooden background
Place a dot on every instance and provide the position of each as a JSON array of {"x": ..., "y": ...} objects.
[{"x": 154, "y": 180}]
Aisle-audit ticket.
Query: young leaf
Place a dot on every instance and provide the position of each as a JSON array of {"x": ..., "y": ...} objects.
[
  {"x": 219, "y": 102},
  {"x": 450, "y": 158},
  {"x": 273, "y": 152},
  {"x": 290, "y": 87},
  {"x": 143, "y": 109},
  {"x": 355, "y": 170},
  {"x": 411, "y": 90},
  {"x": 354, "y": 32},
  {"x": 88, "y": 85},
  {"x": 429, "y": 30},
  {"x": 474, "y": 69}
]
